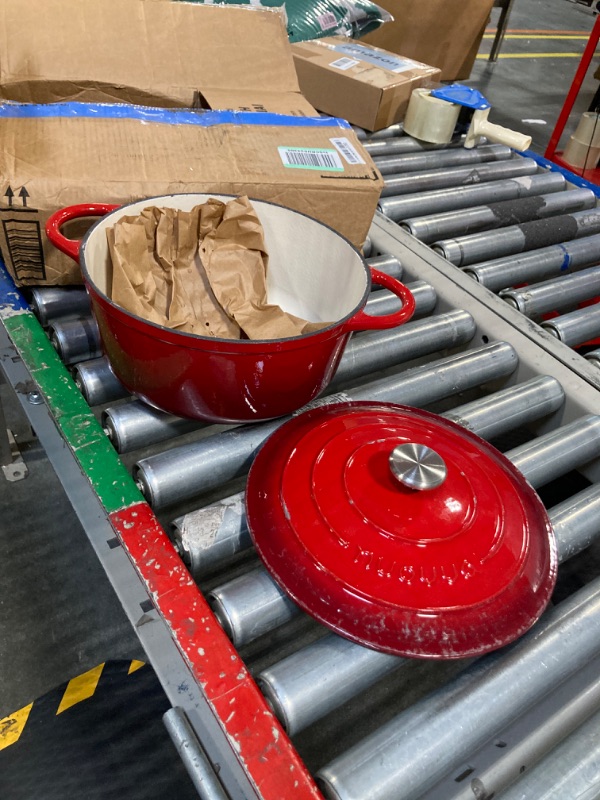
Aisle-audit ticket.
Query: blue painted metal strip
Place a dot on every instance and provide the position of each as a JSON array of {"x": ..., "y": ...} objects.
[
  {"x": 576, "y": 180},
  {"x": 11, "y": 299},
  {"x": 165, "y": 116}
]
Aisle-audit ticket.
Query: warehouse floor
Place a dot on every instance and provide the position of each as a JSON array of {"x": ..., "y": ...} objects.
[{"x": 59, "y": 616}]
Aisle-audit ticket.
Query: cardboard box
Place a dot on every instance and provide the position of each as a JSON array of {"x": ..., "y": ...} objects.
[
  {"x": 58, "y": 155},
  {"x": 367, "y": 86},
  {"x": 149, "y": 52},
  {"x": 444, "y": 33}
]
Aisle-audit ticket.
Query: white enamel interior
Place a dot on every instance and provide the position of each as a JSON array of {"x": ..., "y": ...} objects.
[{"x": 313, "y": 272}]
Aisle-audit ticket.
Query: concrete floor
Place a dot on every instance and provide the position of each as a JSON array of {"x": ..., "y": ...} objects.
[{"x": 58, "y": 613}]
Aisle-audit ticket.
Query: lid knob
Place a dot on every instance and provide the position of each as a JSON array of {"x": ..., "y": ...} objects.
[{"x": 417, "y": 466}]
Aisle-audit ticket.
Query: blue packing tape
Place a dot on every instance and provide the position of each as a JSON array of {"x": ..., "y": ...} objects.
[{"x": 204, "y": 119}]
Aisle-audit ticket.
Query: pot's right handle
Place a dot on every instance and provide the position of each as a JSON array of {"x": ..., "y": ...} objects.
[
  {"x": 367, "y": 322},
  {"x": 55, "y": 222}
]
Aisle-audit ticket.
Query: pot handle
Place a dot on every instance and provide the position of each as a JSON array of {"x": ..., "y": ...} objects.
[
  {"x": 55, "y": 222},
  {"x": 367, "y": 322}
]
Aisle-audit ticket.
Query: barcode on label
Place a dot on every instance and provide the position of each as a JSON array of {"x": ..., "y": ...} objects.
[
  {"x": 311, "y": 158},
  {"x": 327, "y": 21},
  {"x": 347, "y": 149},
  {"x": 344, "y": 63}
]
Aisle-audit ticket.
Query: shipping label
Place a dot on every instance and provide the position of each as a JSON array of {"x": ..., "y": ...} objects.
[
  {"x": 386, "y": 61},
  {"x": 318, "y": 158},
  {"x": 344, "y": 63},
  {"x": 345, "y": 147}
]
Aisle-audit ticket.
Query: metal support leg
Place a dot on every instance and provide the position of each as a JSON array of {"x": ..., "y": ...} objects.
[{"x": 506, "y": 8}]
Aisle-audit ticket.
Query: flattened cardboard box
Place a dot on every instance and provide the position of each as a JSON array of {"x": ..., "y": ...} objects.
[
  {"x": 149, "y": 52},
  {"x": 367, "y": 86},
  {"x": 59, "y": 155},
  {"x": 444, "y": 33}
]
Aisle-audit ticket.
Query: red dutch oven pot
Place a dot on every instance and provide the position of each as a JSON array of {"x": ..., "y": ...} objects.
[{"x": 313, "y": 272}]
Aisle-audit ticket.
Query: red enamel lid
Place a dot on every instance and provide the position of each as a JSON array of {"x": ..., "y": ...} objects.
[{"x": 400, "y": 530}]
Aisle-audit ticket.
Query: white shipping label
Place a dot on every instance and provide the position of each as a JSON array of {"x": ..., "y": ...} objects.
[
  {"x": 327, "y": 21},
  {"x": 344, "y": 63},
  {"x": 347, "y": 149},
  {"x": 377, "y": 58},
  {"x": 311, "y": 158}
]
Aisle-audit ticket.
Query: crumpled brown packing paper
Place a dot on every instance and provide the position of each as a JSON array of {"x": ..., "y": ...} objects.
[{"x": 201, "y": 271}]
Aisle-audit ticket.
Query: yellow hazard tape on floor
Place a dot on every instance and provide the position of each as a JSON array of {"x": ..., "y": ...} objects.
[
  {"x": 12, "y": 727},
  {"x": 78, "y": 689},
  {"x": 560, "y": 37},
  {"x": 534, "y": 55}
]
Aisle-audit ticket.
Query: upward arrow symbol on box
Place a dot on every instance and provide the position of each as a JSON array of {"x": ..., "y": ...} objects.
[
  {"x": 9, "y": 194},
  {"x": 23, "y": 194}
]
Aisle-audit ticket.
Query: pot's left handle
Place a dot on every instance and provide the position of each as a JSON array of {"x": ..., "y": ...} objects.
[
  {"x": 55, "y": 222},
  {"x": 367, "y": 322}
]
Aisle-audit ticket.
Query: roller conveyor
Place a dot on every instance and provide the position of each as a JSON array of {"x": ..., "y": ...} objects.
[
  {"x": 529, "y": 245},
  {"x": 467, "y": 358}
]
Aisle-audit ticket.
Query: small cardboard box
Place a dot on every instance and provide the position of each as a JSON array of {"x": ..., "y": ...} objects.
[
  {"x": 444, "y": 33},
  {"x": 57, "y": 155},
  {"x": 148, "y": 52},
  {"x": 367, "y": 86}
]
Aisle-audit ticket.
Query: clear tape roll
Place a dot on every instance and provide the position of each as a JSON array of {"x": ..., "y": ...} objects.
[{"x": 429, "y": 118}]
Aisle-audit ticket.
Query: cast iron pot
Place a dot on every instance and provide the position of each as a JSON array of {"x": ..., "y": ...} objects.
[{"x": 313, "y": 272}]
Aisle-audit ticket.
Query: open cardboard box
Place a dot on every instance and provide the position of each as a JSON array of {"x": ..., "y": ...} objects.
[
  {"x": 148, "y": 52},
  {"x": 53, "y": 156}
]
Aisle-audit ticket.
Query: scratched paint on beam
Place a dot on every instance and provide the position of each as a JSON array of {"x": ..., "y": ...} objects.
[
  {"x": 97, "y": 458},
  {"x": 258, "y": 739}
]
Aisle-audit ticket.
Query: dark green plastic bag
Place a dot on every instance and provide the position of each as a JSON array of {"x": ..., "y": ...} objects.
[{"x": 313, "y": 19}]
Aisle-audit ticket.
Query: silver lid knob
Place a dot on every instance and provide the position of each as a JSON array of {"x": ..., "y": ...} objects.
[{"x": 417, "y": 466}]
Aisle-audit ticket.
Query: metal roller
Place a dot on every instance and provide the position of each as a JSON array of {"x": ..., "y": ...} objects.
[
  {"x": 506, "y": 410},
  {"x": 594, "y": 356},
  {"x": 497, "y": 215},
  {"x": 367, "y": 247},
  {"x": 416, "y": 749},
  {"x": 250, "y": 605},
  {"x": 183, "y": 472},
  {"x": 50, "y": 303},
  {"x": 307, "y": 685},
  {"x": 558, "y": 452},
  {"x": 414, "y": 162},
  {"x": 385, "y": 302},
  {"x": 537, "y": 265},
  {"x": 388, "y": 264},
  {"x": 571, "y": 770},
  {"x": 97, "y": 382},
  {"x": 577, "y": 327},
  {"x": 135, "y": 425},
  {"x": 456, "y": 176},
  {"x": 576, "y": 522},
  {"x": 478, "y": 247},
  {"x": 554, "y": 295},
  {"x": 509, "y": 766},
  {"x": 445, "y": 200},
  {"x": 370, "y": 353},
  {"x": 210, "y": 536},
  {"x": 397, "y": 129},
  {"x": 76, "y": 339},
  {"x": 398, "y": 145}
]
